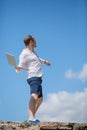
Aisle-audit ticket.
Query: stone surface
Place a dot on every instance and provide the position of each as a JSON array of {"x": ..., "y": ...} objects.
[{"x": 42, "y": 126}]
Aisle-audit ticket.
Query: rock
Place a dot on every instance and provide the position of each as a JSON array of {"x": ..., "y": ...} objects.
[
  {"x": 42, "y": 126},
  {"x": 82, "y": 126}
]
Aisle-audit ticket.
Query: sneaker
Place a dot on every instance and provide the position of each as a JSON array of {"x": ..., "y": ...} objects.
[
  {"x": 37, "y": 120},
  {"x": 34, "y": 121}
]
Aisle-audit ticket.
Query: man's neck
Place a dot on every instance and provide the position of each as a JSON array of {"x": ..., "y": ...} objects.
[{"x": 30, "y": 48}]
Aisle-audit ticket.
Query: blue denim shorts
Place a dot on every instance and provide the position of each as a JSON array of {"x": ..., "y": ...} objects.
[{"x": 35, "y": 86}]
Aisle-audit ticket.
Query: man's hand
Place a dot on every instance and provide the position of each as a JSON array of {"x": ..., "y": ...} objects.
[
  {"x": 18, "y": 69},
  {"x": 47, "y": 63}
]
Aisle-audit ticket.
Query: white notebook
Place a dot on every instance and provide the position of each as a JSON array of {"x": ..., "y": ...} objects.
[{"x": 11, "y": 59}]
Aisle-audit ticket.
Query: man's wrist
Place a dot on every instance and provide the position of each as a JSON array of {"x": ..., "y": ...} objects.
[{"x": 45, "y": 62}]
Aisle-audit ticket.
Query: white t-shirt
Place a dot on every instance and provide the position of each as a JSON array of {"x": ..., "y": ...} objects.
[{"x": 31, "y": 62}]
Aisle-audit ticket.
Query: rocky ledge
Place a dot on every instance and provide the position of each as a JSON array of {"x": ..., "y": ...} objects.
[{"x": 7, "y": 125}]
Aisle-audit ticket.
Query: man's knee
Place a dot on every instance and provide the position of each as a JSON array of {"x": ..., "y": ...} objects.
[{"x": 35, "y": 96}]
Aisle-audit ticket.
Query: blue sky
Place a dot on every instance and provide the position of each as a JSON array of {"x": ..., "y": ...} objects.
[{"x": 60, "y": 29}]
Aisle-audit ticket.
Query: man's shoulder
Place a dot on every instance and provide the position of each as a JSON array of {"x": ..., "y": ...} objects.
[{"x": 24, "y": 53}]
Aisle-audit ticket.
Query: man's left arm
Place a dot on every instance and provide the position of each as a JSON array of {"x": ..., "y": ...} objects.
[{"x": 44, "y": 62}]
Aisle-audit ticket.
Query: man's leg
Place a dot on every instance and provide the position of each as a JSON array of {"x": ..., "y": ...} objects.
[
  {"x": 39, "y": 100},
  {"x": 32, "y": 106},
  {"x": 36, "y": 99},
  {"x": 38, "y": 103}
]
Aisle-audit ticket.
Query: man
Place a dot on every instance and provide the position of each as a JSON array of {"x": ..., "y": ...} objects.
[{"x": 29, "y": 61}]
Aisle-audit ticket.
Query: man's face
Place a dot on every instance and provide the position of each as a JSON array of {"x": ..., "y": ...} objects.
[{"x": 34, "y": 43}]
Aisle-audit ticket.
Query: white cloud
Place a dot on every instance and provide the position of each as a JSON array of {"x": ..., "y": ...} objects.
[
  {"x": 70, "y": 74},
  {"x": 65, "y": 106},
  {"x": 82, "y": 75}
]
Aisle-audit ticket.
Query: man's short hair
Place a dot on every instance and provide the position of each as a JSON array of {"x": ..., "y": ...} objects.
[{"x": 28, "y": 39}]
